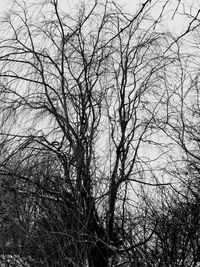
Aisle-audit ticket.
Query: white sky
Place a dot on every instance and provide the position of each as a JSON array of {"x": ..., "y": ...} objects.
[{"x": 177, "y": 25}]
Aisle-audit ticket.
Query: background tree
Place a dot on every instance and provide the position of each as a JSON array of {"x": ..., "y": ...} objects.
[{"x": 176, "y": 238}]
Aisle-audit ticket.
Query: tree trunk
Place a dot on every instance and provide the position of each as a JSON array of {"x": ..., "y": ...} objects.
[{"x": 98, "y": 255}]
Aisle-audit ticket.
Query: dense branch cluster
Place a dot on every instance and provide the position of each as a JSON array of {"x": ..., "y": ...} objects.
[{"x": 99, "y": 161}]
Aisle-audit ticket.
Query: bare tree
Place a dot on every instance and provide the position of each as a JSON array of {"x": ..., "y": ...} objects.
[
  {"x": 175, "y": 241},
  {"x": 80, "y": 94}
]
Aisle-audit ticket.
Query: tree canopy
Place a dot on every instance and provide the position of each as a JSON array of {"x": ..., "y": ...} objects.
[{"x": 99, "y": 135}]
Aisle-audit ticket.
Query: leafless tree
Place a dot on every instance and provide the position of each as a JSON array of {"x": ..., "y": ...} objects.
[
  {"x": 176, "y": 238},
  {"x": 81, "y": 94}
]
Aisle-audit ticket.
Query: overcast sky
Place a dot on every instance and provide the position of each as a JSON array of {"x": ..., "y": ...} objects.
[{"x": 131, "y": 6}]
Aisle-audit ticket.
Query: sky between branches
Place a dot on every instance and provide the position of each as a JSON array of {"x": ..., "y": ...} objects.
[{"x": 177, "y": 25}]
